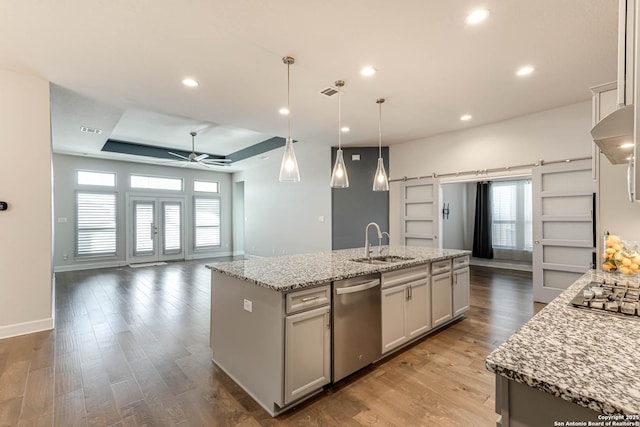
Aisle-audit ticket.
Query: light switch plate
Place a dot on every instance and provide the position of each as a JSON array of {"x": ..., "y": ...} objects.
[
  {"x": 355, "y": 157},
  {"x": 248, "y": 305}
]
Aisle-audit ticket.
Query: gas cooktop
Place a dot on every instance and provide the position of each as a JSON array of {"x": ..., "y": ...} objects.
[{"x": 612, "y": 297}]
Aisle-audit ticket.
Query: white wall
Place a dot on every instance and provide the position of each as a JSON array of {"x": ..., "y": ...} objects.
[
  {"x": 65, "y": 168},
  {"x": 617, "y": 215},
  {"x": 283, "y": 218},
  {"x": 556, "y": 134},
  {"x": 454, "y": 228},
  {"x": 25, "y": 184}
]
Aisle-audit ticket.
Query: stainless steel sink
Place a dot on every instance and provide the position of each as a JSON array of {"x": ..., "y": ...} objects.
[{"x": 389, "y": 259}]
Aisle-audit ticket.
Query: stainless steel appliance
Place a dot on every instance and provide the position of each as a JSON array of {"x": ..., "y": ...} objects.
[{"x": 357, "y": 324}]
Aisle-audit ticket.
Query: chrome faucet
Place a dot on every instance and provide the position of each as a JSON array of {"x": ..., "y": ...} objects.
[
  {"x": 367, "y": 248},
  {"x": 388, "y": 243}
]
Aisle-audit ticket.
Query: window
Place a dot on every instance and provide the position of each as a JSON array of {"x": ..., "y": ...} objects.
[
  {"x": 104, "y": 179},
  {"x": 512, "y": 215},
  {"x": 207, "y": 222},
  {"x": 205, "y": 186},
  {"x": 95, "y": 224},
  {"x": 156, "y": 183}
]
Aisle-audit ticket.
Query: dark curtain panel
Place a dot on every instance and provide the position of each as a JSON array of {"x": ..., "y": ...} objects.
[{"x": 482, "y": 244}]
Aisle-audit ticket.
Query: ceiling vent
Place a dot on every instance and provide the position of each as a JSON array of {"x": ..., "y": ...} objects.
[
  {"x": 90, "y": 130},
  {"x": 330, "y": 91}
]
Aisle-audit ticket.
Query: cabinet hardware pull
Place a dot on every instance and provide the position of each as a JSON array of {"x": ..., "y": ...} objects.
[{"x": 309, "y": 298}]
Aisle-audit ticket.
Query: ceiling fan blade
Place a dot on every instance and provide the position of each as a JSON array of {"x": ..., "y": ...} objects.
[
  {"x": 201, "y": 157},
  {"x": 178, "y": 155},
  {"x": 215, "y": 164},
  {"x": 185, "y": 164},
  {"x": 219, "y": 160}
]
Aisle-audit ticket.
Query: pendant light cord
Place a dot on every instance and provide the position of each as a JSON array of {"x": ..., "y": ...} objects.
[
  {"x": 289, "y": 98},
  {"x": 339, "y": 122},
  {"x": 379, "y": 129}
]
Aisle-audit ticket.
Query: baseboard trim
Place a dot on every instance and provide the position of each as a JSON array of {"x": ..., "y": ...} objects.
[
  {"x": 207, "y": 255},
  {"x": 238, "y": 253},
  {"x": 501, "y": 264},
  {"x": 24, "y": 328},
  {"x": 88, "y": 266},
  {"x": 253, "y": 256}
]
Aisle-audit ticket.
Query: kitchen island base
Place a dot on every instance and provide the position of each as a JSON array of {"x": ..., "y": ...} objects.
[{"x": 522, "y": 406}]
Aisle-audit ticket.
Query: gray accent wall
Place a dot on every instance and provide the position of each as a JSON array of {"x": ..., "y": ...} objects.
[{"x": 354, "y": 207}]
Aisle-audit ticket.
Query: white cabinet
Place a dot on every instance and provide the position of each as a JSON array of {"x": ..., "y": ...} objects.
[
  {"x": 627, "y": 10},
  {"x": 307, "y": 352},
  {"x": 394, "y": 321},
  {"x": 460, "y": 291},
  {"x": 441, "y": 298},
  {"x": 406, "y": 306}
]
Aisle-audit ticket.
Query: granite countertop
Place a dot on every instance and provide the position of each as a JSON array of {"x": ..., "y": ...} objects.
[
  {"x": 285, "y": 273},
  {"x": 585, "y": 357}
]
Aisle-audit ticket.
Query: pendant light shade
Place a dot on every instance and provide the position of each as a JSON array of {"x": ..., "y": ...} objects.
[
  {"x": 380, "y": 180},
  {"x": 339, "y": 177},
  {"x": 289, "y": 171}
]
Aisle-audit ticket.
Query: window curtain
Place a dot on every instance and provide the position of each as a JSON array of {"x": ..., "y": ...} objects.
[{"x": 482, "y": 241}]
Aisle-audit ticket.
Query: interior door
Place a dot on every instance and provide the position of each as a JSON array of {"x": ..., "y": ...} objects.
[
  {"x": 563, "y": 226},
  {"x": 155, "y": 229},
  {"x": 420, "y": 213}
]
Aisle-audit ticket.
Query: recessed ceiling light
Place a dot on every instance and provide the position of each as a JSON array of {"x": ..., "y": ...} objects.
[
  {"x": 465, "y": 117},
  {"x": 190, "y": 82},
  {"x": 629, "y": 158},
  {"x": 367, "y": 71},
  {"x": 526, "y": 70},
  {"x": 264, "y": 157},
  {"x": 345, "y": 129},
  {"x": 627, "y": 145},
  {"x": 477, "y": 16},
  {"x": 284, "y": 111}
]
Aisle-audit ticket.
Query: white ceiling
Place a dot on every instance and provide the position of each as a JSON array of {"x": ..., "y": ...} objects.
[{"x": 118, "y": 65}]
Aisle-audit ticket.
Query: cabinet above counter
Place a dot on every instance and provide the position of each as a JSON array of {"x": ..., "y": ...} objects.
[{"x": 286, "y": 273}]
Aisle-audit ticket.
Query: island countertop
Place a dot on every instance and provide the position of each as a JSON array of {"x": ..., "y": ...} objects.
[
  {"x": 588, "y": 358},
  {"x": 285, "y": 273}
]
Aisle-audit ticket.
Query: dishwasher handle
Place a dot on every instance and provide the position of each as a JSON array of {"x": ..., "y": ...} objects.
[{"x": 358, "y": 288}]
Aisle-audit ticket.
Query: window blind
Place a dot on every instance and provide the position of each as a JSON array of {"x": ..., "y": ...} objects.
[
  {"x": 207, "y": 222},
  {"x": 95, "y": 224},
  {"x": 512, "y": 215},
  {"x": 172, "y": 230}
]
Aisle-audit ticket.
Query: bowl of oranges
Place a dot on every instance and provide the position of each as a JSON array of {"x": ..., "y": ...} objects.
[{"x": 620, "y": 256}]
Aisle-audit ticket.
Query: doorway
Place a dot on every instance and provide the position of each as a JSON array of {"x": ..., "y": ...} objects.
[{"x": 155, "y": 229}]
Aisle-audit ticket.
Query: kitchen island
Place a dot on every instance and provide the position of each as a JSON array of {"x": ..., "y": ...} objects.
[
  {"x": 274, "y": 328},
  {"x": 579, "y": 365}
]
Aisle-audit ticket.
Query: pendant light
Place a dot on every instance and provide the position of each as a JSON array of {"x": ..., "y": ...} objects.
[
  {"x": 380, "y": 181},
  {"x": 289, "y": 167},
  {"x": 339, "y": 177}
]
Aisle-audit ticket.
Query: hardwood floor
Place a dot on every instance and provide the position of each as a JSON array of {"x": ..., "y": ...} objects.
[{"x": 131, "y": 348}]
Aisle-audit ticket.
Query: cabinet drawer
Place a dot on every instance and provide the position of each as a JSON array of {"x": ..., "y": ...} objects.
[
  {"x": 439, "y": 267},
  {"x": 308, "y": 298},
  {"x": 460, "y": 262},
  {"x": 405, "y": 275}
]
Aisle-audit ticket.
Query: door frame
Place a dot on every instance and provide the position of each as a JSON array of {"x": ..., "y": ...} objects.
[{"x": 130, "y": 258}]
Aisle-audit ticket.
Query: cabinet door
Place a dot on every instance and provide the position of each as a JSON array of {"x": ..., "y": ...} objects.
[
  {"x": 460, "y": 291},
  {"x": 418, "y": 309},
  {"x": 441, "y": 299},
  {"x": 393, "y": 317},
  {"x": 307, "y": 353}
]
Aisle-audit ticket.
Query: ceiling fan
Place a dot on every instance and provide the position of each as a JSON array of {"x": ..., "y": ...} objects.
[{"x": 200, "y": 159}]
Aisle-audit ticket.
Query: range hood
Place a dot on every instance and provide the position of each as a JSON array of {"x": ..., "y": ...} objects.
[{"x": 613, "y": 131}]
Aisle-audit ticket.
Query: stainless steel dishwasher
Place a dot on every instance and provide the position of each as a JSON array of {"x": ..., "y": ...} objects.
[{"x": 357, "y": 324}]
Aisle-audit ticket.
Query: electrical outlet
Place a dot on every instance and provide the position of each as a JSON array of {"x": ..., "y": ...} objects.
[
  {"x": 65, "y": 257},
  {"x": 320, "y": 218},
  {"x": 248, "y": 305},
  {"x": 62, "y": 220}
]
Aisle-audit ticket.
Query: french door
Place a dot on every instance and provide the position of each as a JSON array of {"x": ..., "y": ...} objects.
[
  {"x": 563, "y": 226},
  {"x": 155, "y": 229}
]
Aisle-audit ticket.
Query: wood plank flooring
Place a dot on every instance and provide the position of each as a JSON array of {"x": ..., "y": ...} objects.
[{"x": 131, "y": 348}]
